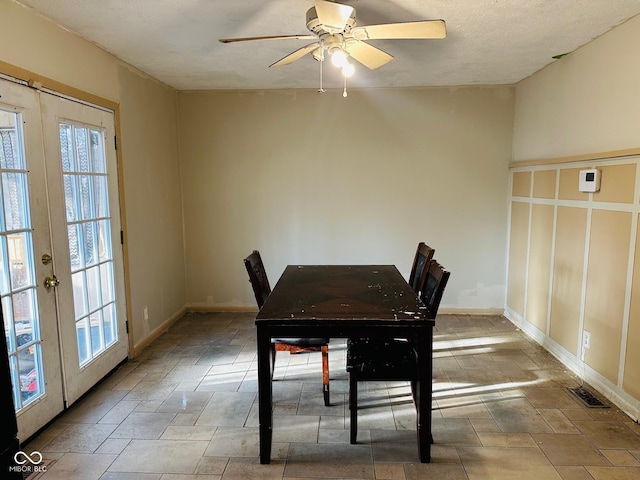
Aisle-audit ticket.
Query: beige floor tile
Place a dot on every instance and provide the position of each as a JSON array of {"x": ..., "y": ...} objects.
[
  {"x": 394, "y": 446},
  {"x": 444, "y": 454},
  {"x": 188, "y": 432},
  {"x": 143, "y": 425},
  {"x": 607, "y": 435},
  {"x": 621, "y": 458},
  {"x": 227, "y": 409},
  {"x": 130, "y": 381},
  {"x": 577, "y": 414},
  {"x": 80, "y": 438},
  {"x": 573, "y": 473},
  {"x": 78, "y": 466},
  {"x": 517, "y": 415},
  {"x": 160, "y": 456},
  {"x": 611, "y": 473},
  {"x": 565, "y": 449},
  {"x": 558, "y": 421},
  {"x": 329, "y": 461},
  {"x": 486, "y": 425},
  {"x": 234, "y": 442},
  {"x": 507, "y": 463},
  {"x": 180, "y": 476},
  {"x": 295, "y": 428},
  {"x": 119, "y": 412},
  {"x": 113, "y": 445},
  {"x": 94, "y": 406},
  {"x": 251, "y": 469},
  {"x": 550, "y": 398},
  {"x": 211, "y": 465},
  {"x": 610, "y": 415},
  {"x": 389, "y": 471},
  {"x": 468, "y": 406},
  {"x": 454, "y": 432},
  {"x": 439, "y": 471},
  {"x": 185, "y": 402},
  {"x": 131, "y": 476},
  {"x": 506, "y": 440}
]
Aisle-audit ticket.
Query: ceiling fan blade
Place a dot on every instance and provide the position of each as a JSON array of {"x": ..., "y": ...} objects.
[
  {"x": 333, "y": 15},
  {"x": 368, "y": 55},
  {"x": 292, "y": 57},
  {"x": 270, "y": 37},
  {"x": 390, "y": 31}
]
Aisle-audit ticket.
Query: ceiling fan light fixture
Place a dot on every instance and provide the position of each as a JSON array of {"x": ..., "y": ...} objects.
[
  {"x": 348, "y": 69},
  {"x": 338, "y": 57}
]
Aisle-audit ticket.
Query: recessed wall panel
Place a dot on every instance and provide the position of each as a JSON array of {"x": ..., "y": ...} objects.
[
  {"x": 544, "y": 184},
  {"x": 617, "y": 184},
  {"x": 521, "y": 184},
  {"x": 631, "y": 378},
  {"x": 518, "y": 256},
  {"x": 539, "y": 265},
  {"x": 568, "y": 268},
  {"x": 606, "y": 286}
]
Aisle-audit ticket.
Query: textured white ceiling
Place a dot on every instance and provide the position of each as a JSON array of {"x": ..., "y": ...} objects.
[{"x": 488, "y": 41}]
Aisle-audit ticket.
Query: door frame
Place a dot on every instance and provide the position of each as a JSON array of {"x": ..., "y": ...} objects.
[{"x": 49, "y": 85}]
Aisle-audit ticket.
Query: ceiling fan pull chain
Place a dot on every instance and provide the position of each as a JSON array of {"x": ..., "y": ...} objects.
[
  {"x": 344, "y": 92},
  {"x": 321, "y": 90}
]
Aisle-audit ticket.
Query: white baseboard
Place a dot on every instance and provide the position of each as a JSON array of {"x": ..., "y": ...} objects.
[
  {"x": 470, "y": 311},
  {"x": 221, "y": 308}
]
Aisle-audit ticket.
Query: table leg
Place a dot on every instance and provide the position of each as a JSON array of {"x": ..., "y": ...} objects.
[
  {"x": 265, "y": 409},
  {"x": 423, "y": 394}
]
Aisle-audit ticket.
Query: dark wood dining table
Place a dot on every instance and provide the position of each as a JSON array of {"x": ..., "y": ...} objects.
[{"x": 344, "y": 301}]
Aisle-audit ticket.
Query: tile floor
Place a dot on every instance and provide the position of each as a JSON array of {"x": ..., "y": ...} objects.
[{"x": 186, "y": 409}]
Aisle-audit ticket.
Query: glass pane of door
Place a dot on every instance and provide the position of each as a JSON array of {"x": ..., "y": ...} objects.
[
  {"x": 18, "y": 278},
  {"x": 85, "y": 180}
]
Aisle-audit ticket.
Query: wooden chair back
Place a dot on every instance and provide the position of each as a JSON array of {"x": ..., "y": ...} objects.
[
  {"x": 257, "y": 277},
  {"x": 436, "y": 278},
  {"x": 424, "y": 254}
]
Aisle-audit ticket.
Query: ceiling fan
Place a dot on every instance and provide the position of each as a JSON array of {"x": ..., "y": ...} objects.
[{"x": 334, "y": 31}]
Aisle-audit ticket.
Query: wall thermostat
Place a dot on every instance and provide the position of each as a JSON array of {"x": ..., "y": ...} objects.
[{"x": 589, "y": 180}]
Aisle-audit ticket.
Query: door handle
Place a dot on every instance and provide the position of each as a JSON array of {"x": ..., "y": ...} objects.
[{"x": 51, "y": 281}]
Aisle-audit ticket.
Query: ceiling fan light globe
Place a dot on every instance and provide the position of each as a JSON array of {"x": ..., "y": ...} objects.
[
  {"x": 338, "y": 58},
  {"x": 348, "y": 69}
]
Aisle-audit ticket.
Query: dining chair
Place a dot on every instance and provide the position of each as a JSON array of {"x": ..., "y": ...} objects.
[
  {"x": 393, "y": 358},
  {"x": 424, "y": 254},
  {"x": 261, "y": 289}
]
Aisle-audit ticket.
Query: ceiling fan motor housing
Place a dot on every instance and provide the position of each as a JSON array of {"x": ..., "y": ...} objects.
[{"x": 314, "y": 25}]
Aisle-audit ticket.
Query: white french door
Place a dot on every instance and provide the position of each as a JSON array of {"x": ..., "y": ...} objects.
[
  {"x": 29, "y": 310},
  {"x": 62, "y": 282}
]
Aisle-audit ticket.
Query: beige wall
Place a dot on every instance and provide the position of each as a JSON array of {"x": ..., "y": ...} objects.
[
  {"x": 317, "y": 178},
  {"x": 149, "y": 152},
  {"x": 584, "y": 104}
]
